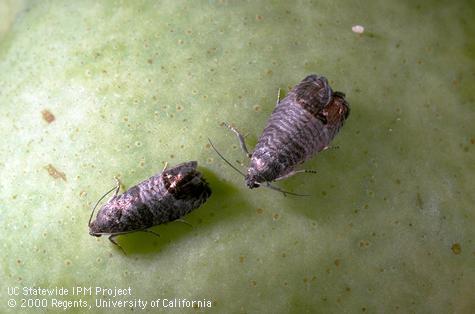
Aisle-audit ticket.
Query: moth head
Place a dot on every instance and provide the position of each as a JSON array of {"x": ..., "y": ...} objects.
[
  {"x": 253, "y": 178},
  {"x": 94, "y": 230},
  {"x": 251, "y": 182},
  {"x": 108, "y": 217}
]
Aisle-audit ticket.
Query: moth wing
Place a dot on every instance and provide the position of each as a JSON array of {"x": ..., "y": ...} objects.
[{"x": 312, "y": 94}]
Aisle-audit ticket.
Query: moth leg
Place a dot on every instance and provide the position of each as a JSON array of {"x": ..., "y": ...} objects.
[
  {"x": 117, "y": 189},
  {"x": 294, "y": 172},
  {"x": 241, "y": 140},
  {"x": 330, "y": 147},
  {"x": 240, "y": 137},
  {"x": 165, "y": 167},
  {"x": 272, "y": 187},
  {"x": 278, "y": 97},
  {"x": 184, "y": 221},
  {"x": 275, "y": 188},
  {"x": 112, "y": 237},
  {"x": 150, "y": 231}
]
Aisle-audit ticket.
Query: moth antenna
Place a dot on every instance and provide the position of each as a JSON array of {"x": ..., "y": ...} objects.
[
  {"x": 225, "y": 160},
  {"x": 92, "y": 213}
]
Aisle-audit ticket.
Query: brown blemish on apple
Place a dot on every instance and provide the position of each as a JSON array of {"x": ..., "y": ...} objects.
[
  {"x": 55, "y": 173},
  {"x": 456, "y": 248},
  {"x": 48, "y": 116},
  {"x": 364, "y": 244}
]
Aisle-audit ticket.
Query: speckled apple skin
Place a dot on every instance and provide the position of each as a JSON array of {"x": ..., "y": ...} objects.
[{"x": 90, "y": 90}]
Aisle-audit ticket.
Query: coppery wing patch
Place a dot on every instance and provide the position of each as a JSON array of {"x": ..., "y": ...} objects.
[
  {"x": 337, "y": 110},
  {"x": 186, "y": 186}
]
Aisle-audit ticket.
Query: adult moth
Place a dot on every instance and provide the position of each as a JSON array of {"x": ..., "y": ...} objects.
[
  {"x": 301, "y": 125},
  {"x": 165, "y": 197}
]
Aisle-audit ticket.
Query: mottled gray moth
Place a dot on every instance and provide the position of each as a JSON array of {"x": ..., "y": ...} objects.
[
  {"x": 165, "y": 197},
  {"x": 301, "y": 125}
]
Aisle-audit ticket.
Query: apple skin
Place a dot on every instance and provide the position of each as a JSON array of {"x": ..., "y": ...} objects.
[{"x": 91, "y": 90}]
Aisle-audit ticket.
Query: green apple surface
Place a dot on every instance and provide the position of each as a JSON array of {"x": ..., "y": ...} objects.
[{"x": 90, "y": 90}]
